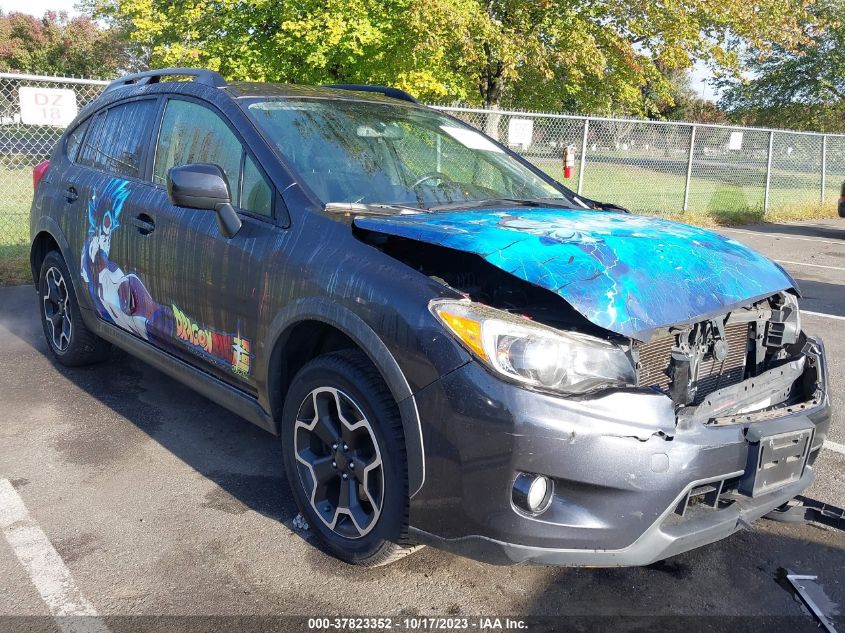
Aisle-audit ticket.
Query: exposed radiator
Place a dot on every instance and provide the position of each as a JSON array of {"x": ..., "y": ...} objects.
[{"x": 655, "y": 358}]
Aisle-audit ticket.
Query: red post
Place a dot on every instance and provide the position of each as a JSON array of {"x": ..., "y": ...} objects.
[{"x": 568, "y": 161}]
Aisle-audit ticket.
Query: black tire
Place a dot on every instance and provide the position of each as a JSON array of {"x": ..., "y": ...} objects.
[
  {"x": 71, "y": 342},
  {"x": 362, "y": 388}
]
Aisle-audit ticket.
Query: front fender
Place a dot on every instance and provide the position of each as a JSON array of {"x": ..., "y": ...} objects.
[{"x": 324, "y": 310}]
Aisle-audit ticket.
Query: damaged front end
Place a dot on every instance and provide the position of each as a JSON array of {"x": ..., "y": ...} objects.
[
  {"x": 751, "y": 364},
  {"x": 657, "y": 426},
  {"x": 735, "y": 362}
]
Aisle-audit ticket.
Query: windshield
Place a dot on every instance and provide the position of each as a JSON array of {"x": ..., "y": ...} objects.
[{"x": 371, "y": 153}]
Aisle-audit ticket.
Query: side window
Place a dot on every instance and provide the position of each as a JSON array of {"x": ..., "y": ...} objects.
[
  {"x": 88, "y": 151},
  {"x": 121, "y": 144},
  {"x": 191, "y": 133},
  {"x": 74, "y": 140},
  {"x": 257, "y": 195}
]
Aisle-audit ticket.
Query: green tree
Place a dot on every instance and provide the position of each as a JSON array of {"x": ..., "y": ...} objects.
[
  {"x": 802, "y": 88},
  {"x": 57, "y": 45},
  {"x": 607, "y": 56}
]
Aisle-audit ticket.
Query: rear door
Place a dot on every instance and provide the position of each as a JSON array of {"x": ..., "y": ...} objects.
[
  {"x": 113, "y": 185},
  {"x": 71, "y": 188},
  {"x": 213, "y": 286}
]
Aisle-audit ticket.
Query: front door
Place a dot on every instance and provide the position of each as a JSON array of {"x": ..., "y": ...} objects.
[{"x": 211, "y": 287}]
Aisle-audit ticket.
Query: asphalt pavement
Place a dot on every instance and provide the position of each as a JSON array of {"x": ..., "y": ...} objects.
[{"x": 131, "y": 495}]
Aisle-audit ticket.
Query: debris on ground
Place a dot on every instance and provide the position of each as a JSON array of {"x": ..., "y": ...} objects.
[
  {"x": 299, "y": 523},
  {"x": 807, "y": 589}
]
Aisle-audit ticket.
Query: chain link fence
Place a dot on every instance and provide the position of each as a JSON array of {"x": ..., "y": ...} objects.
[
  {"x": 646, "y": 166},
  {"x": 28, "y": 137},
  {"x": 666, "y": 168}
]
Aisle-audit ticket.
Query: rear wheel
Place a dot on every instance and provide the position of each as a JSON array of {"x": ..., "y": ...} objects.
[
  {"x": 71, "y": 342},
  {"x": 345, "y": 458}
]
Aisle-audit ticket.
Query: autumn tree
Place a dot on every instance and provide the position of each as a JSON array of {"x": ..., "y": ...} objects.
[
  {"x": 802, "y": 88},
  {"x": 609, "y": 56},
  {"x": 58, "y": 45}
]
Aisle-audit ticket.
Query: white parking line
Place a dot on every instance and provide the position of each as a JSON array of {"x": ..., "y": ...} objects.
[
  {"x": 781, "y": 236},
  {"x": 45, "y": 567},
  {"x": 836, "y": 447},
  {"x": 823, "y": 315},
  {"x": 784, "y": 261}
]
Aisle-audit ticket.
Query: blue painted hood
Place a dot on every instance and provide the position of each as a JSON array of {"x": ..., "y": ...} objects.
[{"x": 626, "y": 273}]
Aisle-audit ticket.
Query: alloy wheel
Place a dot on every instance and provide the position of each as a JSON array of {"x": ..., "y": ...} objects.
[
  {"x": 57, "y": 309},
  {"x": 339, "y": 462}
]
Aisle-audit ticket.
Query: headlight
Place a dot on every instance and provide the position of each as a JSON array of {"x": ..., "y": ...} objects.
[{"x": 534, "y": 354}]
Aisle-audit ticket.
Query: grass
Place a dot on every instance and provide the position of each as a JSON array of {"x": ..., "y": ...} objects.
[
  {"x": 730, "y": 199},
  {"x": 816, "y": 211},
  {"x": 14, "y": 264},
  {"x": 15, "y": 200}
]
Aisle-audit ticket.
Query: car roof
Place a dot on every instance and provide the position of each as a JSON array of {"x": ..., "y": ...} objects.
[
  {"x": 251, "y": 89},
  {"x": 207, "y": 84},
  {"x": 156, "y": 81}
]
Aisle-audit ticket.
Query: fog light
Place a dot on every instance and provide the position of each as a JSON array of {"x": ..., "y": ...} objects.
[{"x": 532, "y": 493}]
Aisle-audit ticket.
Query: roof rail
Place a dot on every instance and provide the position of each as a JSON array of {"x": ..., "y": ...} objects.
[
  {"x": 393, "y": 93},
  {"x": 200, "y": 75}
]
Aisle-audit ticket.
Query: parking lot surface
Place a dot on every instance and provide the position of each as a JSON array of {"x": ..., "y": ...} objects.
[{"x": 158, "y": 502}]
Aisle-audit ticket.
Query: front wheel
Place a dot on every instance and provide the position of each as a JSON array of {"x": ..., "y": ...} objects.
[{"x": 344, "y": 456}]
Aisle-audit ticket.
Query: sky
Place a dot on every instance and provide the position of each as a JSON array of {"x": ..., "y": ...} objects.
[
  {"x": 38, "y": 7},
  {"x": 700, "y": 80},
  {"x": 700, "y": 73}
]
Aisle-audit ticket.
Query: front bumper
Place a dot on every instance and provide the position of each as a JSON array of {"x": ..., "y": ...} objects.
[{"x": 621, "y": 467}]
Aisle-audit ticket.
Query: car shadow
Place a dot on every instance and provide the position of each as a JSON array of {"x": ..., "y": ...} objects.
[
  {"x": 243, "y": 460},
  {"x": 736, "y": 584},
  {"x": 828, "y": 232}
]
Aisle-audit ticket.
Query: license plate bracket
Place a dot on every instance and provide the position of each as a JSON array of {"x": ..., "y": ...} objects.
[{"x": 775, "y": 460}]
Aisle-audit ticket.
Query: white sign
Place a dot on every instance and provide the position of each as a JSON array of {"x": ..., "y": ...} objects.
[
  {"x": 470, "y": 138},
  {"x": 47, "y": 106},
  {"x": 735, "y": 142},
  {"x": 520, "y": 132}
]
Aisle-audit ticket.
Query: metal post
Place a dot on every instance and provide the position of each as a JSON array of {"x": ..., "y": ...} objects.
[
  {"x": 689, "y": 168},
  {"x": 824, "y": 165},
  {"x": 768, "y": 172},
  {"x": 583, "y": 155}
]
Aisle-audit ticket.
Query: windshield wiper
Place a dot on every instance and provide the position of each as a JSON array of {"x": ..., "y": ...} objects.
[
  {"x": 372, "y": 207},
  {"x": 554, "y": 203}
]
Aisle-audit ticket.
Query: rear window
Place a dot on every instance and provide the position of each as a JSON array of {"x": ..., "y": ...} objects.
[
  {"x": 74, "y": 140},
  {"x": 88, "y": 151},
  {"x": 118, "y": 137}
]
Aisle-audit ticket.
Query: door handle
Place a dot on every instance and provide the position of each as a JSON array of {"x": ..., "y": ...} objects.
[
  {"x": 144, "y": 223},
  {"x": 71, "y": 194}
]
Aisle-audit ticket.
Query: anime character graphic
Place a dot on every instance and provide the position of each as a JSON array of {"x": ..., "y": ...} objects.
[
  {"x": 547, "y": 232},
  {"x": 121, "y": 298}
]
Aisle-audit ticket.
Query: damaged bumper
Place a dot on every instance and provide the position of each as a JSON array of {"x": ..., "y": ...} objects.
[{"x": 633, "y": 483}]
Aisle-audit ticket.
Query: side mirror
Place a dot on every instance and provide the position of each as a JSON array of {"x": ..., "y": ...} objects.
[{"x": 204, "y": 186}]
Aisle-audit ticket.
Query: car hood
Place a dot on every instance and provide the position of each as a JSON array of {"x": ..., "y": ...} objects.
[{"x": 626, "y": 273}]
